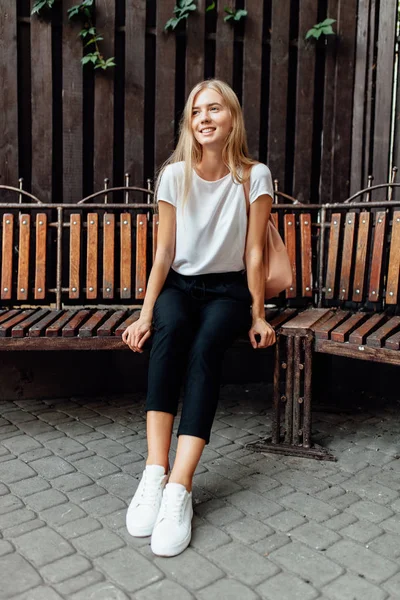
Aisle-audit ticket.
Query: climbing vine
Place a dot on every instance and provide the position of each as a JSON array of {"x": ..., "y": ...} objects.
[
  {"x": 324, "y": 28},
  {"x": 184, "y": 8}
]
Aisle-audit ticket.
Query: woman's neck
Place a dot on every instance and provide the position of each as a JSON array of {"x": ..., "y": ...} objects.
[{"x": 211, "y": 166}]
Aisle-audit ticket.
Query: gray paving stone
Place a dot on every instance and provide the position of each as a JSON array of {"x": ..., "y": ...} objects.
[
  {"x": 71, "y": 481},
  {"x": 286, "y": 587},
  {"x": 15, "y": 517},
  {"x": 229, "y": 468},
  {"x": 248, "y": 530},
  {"x": 43, "y": 546},
  {"x": 114, "y": 521},
  {"x": 32, "y": 455},
  {"x": 129, "y": 569},
  {"x": 345, "y": 500},
  {"x": 315, "y": 535},
  {"x": 65, "y": 568},
  {"x": 351, "y": 587},
  {"x": 19, "y": 416},
  {"x": 309, "y": 507},
  {"x": 164, "y": 590},
  {"x": 362, "y": 560},
  {"x": 285, "y": 521},
  {"x": 20, "y": 444},
  {"x": 52, "y": 467},
  {"x": 64, "y": 446},
  {"x": 206, "y": 538},
  {"x": 5, "y": 547},
  {"x": 86, "y": 493},
  {"x": 372, "y": 491},
  {"x": 57, "y": 516},
  {"x": 223, "y": 516},
  {"x": 96, "y": 467},
  {"x": 370, "y": 511},
  {"x": 115, "y": 431},
  {"x": 97, "y": 543},
  {"x": 35, "y": 428},
  {"x": 393, "y": 585},
  {"x": 301, "y": 481},
  {"x": 9, "y": 502},
  {"x": 310, "y": 565},
  {"x": 331, "y": 492},
  {"x": 107, "y": 448},
  {"x": 387, "y": 544},
  {"x": 22, "y": 528},
  {"x": 278, "y": 492},
  {"x": 271, "y": 543},
  {"x": 101, "y": 591},
  {"x": 244, "y": 564},
  {"x": 74, "y": 428},
  {"x": 254, "y": 504},
  {"x": 45, "y": 499},
  {"x": 26, "y": 487},
  {"x": 340, "y": 521},
  {"x": 39, "y": 593},
  {"x": 15, "y": 470},
  {"x": 79, "y": 527},
  {"x": 121, "y": 485},
  {"x": 190, "y": 569},
  {"x": 362, "y": 531},
  {"x": 102, "y": 505},
  {"x": 216, "y": 484},
  {"x": 27, "y": 576},
  {"x": 227, "y": 589}
]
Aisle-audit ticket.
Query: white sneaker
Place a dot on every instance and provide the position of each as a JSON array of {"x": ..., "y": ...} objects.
[
  {"x": 173, "y": 529},
  {"x": 145, "y": 504}
]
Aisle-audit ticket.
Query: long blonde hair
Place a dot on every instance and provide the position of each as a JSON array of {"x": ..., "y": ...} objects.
[{"x": 235, "y": 151}]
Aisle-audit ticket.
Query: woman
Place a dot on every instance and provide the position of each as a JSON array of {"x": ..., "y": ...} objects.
[{"x": 207, "y": 272}]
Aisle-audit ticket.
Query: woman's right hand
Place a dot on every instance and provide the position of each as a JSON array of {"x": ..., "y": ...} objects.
[{"x": 136, "y": 334}]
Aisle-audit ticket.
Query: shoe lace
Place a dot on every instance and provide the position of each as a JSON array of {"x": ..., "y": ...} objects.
[
  {"x": 149, "y": 491},
  {"x": 172, "y": 507}
]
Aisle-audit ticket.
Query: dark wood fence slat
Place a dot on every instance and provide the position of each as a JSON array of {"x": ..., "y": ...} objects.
[
  {"x": 8, "y": 100},
  {"x": 40, "y": 258},
  {"x": 377, "y": 257},
  {"x": 7, "y": 257},
  {"x": 90, "y": 326},
  {"x": 392, "y": 284},
  {"x": 55, "y": 328},
  {"x": 359, "y": 335},
  {"x": 361, "y": 255},
  {"x": 92, "y": 255},
  {"x": 141, "y": 254},
  {"x": 306, "y": 255},
  {"x": 304, "y": 104},
  {"x": 104, "y": 98},
  {"x": 278, "y": 88},
  {"x": 6, "y": 326},
  {"x": 135, "y": 31},
  {"x": 108, "y": 255},
  {"x": 42, "y": 108},
  {"x": 195, "y": 47},
  {"x": 72, "y": 107},
  {"x": 74, "y": 255},
  {"x": 106, "y": 329},
  {"x": 165, "y": 75},
  {"x": 19, "y": 330},
  {"x": 347, "y": 256},
  {"x": 224, "y": 45},
  {"x": 23, "y": 257},
  {"x": 290, "y": 241},
  {"x": 332, "y": 255},
  {"x": 72, "y": 326},
  {"x": 39, "y": 328},
  {"x": 131, "y": 319},
  {"x": 126, "y": 255},
  {"x": 252, "y": 62},
  {"x": 377, "y": 339},
  {"x": 340, "y": 333}
]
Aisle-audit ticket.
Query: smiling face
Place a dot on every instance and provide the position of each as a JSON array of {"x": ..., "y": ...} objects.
[{"x": 211, "y": 119}]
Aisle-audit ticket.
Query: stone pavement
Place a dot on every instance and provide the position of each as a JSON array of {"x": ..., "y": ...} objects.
[{"x": 266, "y": 527}]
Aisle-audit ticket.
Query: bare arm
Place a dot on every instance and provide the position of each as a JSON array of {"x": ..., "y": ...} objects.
[
  {"x": 259, "y": 212},
  {"x": 136, "y": 334}
]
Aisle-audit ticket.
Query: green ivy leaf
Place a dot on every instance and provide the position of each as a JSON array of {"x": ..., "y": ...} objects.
[
  {"x": 211, "y": 7},
  {"x": 172, "y": 23},
  {"x": 328, "y": 30},
  {"x": 310, "y": 33},
  {"x": 240, "y": 14},
  {"x": 328, "y": 22}
]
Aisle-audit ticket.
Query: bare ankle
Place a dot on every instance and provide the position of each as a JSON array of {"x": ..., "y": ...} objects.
[
  {"x": 161, "y": 463},
  {"x": 186, "y": 481}
]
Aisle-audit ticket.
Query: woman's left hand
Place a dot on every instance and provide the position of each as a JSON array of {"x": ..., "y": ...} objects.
[{"x": 264, "y": 330}]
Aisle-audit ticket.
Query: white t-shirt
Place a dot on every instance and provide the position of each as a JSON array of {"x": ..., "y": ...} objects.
[{"x": 211, "y": 229}]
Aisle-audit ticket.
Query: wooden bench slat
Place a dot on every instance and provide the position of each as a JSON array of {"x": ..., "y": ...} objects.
[
  {"x": 290, "y": 242},
  {"x": 358, "y": 336},
  {"x": 131, "y": 319},
  {"x": 322, "y": 331},
  {"x": 108, "y": 255},
  {"x": 393, "y": 342},
  {"x": 7, "y": 257},
  {"x": 92, "y": 255},
  {"x": 141, "y": 256},
  {"x": 23, "y": 257},
  {"x": 106, "y": 329},
  {"x": 126, "y": 256},
  {"x": 306, "y": 255},
  {"x": 392, "y": 284},
  {"x": 377, "y": 256},
  {"x": 38, "y": 328},
  {"x": 72, "y": 326},
  {"x": 6, "y": 326},
  {"x": 8, "y": 314},
  {"x": 55, "y": 328},
  {"x": 334, "y": 236},
  {"x": 378, "y": 337},
  {"x": 307, "y": 319},
  {"x": 361, "y": 255},
  {"x": 40, "y": 259},
  {"x": 19, "y": 330},
  {"x": 155, "y": 234},
  {"x": 347, "y": 255},
  {"x": 90, "y": 326},
  {"x": 284, "y": 316},
  {"x": 340, "y": 333},
  {"x": 74, "y": 255}
]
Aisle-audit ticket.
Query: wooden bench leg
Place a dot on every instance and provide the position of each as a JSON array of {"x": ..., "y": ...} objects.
[{"x": 291, "y": 435}]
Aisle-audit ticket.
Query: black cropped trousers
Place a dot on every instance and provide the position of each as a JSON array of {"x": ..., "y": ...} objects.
[{"x": 195, "y": 320}]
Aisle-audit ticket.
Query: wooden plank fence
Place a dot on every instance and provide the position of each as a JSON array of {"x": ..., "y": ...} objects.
[{"x": 320, "y": 114}]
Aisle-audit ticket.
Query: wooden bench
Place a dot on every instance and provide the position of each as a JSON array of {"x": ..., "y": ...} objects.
[{"x": 353, "y": 311}]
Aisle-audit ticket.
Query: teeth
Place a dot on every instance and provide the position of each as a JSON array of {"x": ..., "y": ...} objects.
[{"x": 206, "y": 130}]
